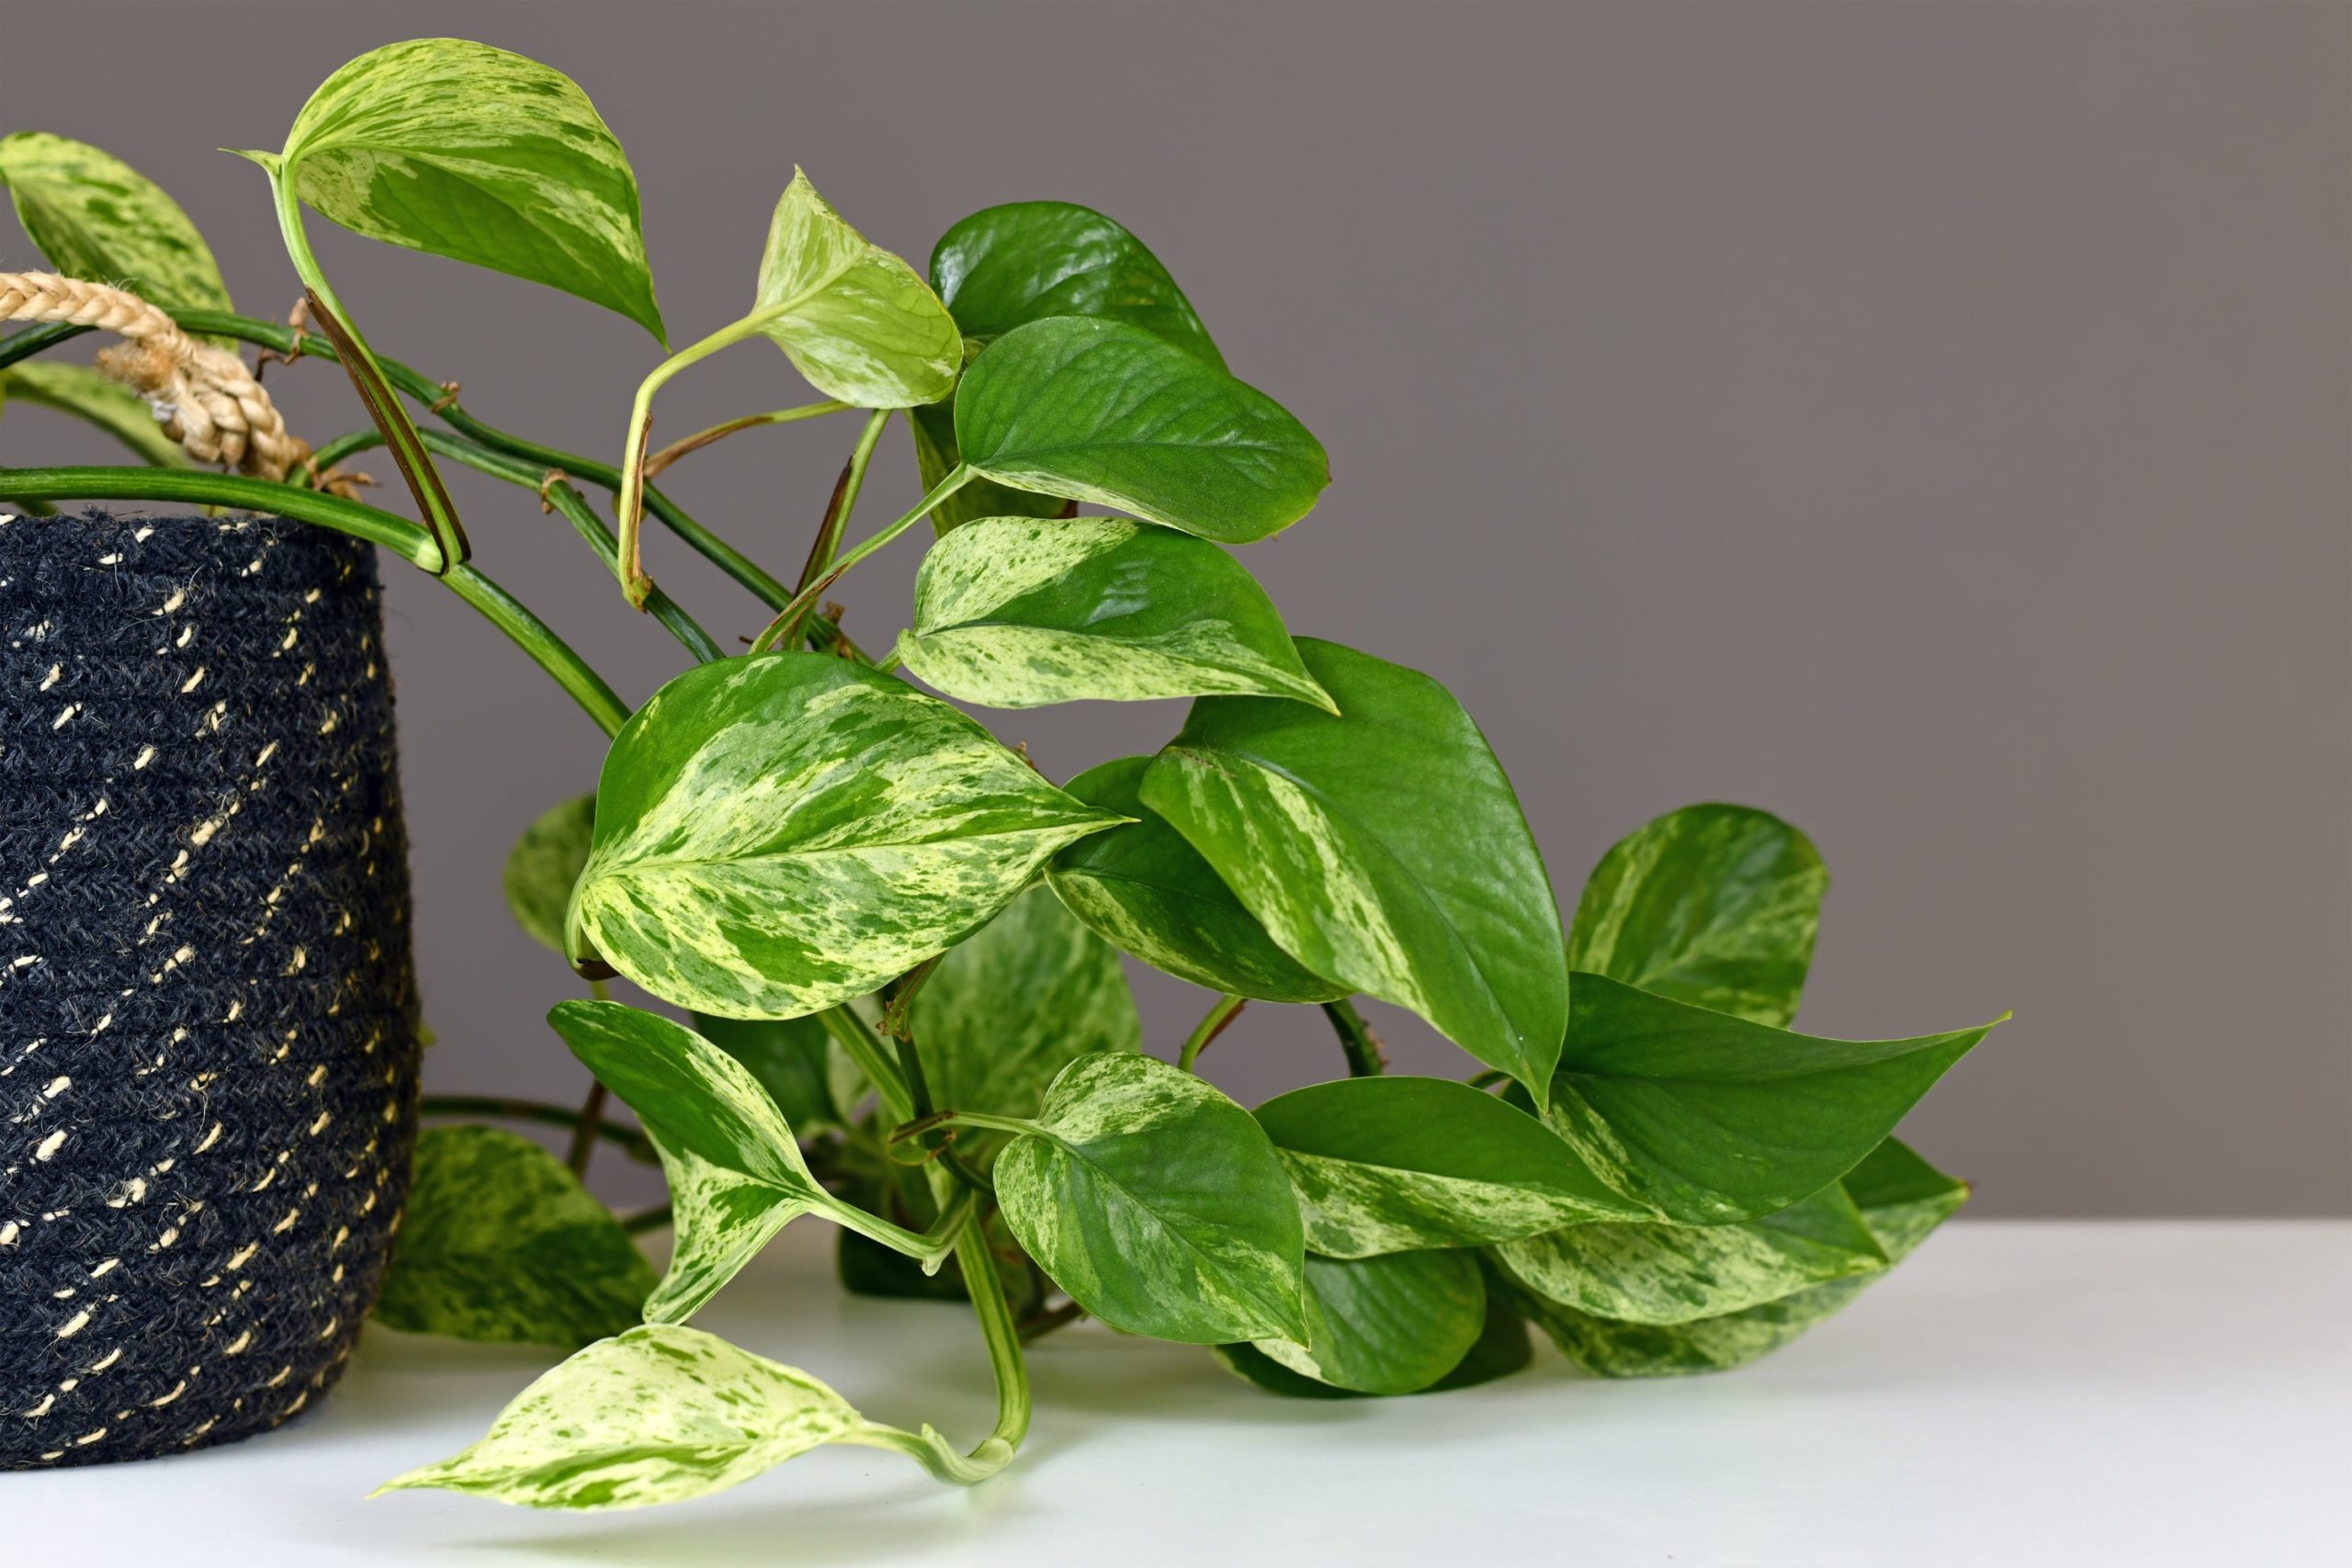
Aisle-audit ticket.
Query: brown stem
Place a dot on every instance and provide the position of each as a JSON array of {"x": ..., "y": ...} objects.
[{"x": 583, "y": 1132}]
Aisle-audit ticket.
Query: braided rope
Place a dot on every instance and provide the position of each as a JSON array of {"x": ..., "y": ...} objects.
[{"x": 206, "y": 399}]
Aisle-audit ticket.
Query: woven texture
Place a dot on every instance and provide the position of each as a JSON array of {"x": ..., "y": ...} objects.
[{"x": 207, "y": 1018}]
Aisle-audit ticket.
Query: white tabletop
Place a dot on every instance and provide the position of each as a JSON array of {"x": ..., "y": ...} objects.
[{"x": 2017, "y": 1393}]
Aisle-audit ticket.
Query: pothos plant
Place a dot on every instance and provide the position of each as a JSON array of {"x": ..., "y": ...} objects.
[{"x": 898, "y": 944}]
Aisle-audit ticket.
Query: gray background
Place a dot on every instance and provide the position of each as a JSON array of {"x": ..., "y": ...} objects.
[{"x": 1928, "y": 422}]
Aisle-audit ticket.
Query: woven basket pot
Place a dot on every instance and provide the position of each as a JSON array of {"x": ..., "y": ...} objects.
[{"x": 208, "y": 1014}]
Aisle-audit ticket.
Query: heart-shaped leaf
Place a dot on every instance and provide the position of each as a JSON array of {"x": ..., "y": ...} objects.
[
  {"x": 1657, "y": 1273},
  {"x": 78, "y": 390},
  {"x": 1157, "y": 1204},
  {"x": 859, "y": 322},
  {"x": 1708, "y": 1118},
  {"x": 659, "y": 1415},
  {"x": 1386, "y": 1325},
  {"x": 1901, "y": 1199},
  {"x": 97, "y": 217},
  {"x": 500, "y": 1242},
  {"x": 1102, "y": 412},
  {"x": 1006, "y": 267},
  {"x": 481, "y": 155},
  {"x": 1016, "y": 1002},
  {"x": 1017, "y": 613},
  {"x": 735, "y": 1171},
  {"x": 1393, "y": 1164},
  {"x": 1149, "y": 893},
  {"x": 1712, "y": 905},
  {"x": 544, "y": 863},
  {"x": 1382, "y": 847},
  {"x": 779, "y": 834}
]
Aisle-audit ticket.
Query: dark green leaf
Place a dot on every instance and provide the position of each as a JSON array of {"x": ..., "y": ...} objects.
[
  {"x": 1157, "y": 1204},
  {"x": 481, "y": 155},
  {"x": 1712, "y": 905},
  {"x": 543, "y": 866},
  {"x": 779, "y": 834},
  {"x": 98, "y": 218},
  {"x": 1006, "y": 267},
  {"x": 1149, "y": 893},
  {"x": 735, "y": 1171},
  {"x": 1501, "y": 1348},
  {"x": 1016, "y": 613},
  {"x": 1016, "y": 1002},
  {"x": 1386, "y": 1325},
  {"x": 1660, "y": 1274},
  {"x": 499, "y": 1242},
  {"x": 1708, "y": 1118},
  {"x": 1382, "y": 847},
  {"x": 78, "y": 390},
  {"x": 933, "y": 428},
  {"x": 1102, "y": 412},
  {"x": 1902, "y": 1200},
  {"x": 856, "y": 321},
  {"x": 1391, "y": 1164}
]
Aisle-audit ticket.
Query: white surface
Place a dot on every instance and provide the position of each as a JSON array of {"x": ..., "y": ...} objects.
[{"x": 2135, "y": 1394}]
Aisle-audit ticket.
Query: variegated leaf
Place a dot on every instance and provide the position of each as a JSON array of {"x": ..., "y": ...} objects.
[
  {"x": 736, "y": 1174},
  {"x": 1382, "y": 847},
  {"x": 1157, "y": 1204},
  {"x": 1706, "y": 1118},
  {"x": 1393, "y": 1164},
  {"x": 1388, "y": 1324},
  {"x": 481, "y": 155},
  {"x": 500, "y": 1242},
  {"x": 779, "y": 834},
  {"x": 1148, "y": 892},
  {"x": 1661, "y": 1273},
  {"x": 859, "y": 322},
  {"x": 542, "y": 866},
  {"x": 1098, "y": 410},
  {"x": 1016, "y": 1002},
  {"x": 98, "y": 218},
  {"x": 1901, "y": 1199},
  {"x": 659, "y": 1415},
  {"x": 1716, "y": 906},
  {"x": 1016, "y": 612},
  {"x": 80, "y": 392}
]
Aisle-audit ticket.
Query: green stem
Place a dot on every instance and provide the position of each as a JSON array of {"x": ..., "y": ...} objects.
[
  {"x": 630, "y": 506},
  {"x": 791, "y": 613},
  {"x": 702, "y": 438},
  {"x": 1226, "y": 1009},
  {"x": 929, "y": 1248},
  {"x": 988, "y": 1120},
  {"x": 653, "y": 1218},
  {"x": 1356, "y": 1039},
  {"x": 368, "y": 379},
  {"x": 32, "y": 340},
  {"x": 398, "y": 534},
  {"x": 863, "y": 1048},
  {"x": 828, "y": 542},
  {"x": 637, "y": 1144}
]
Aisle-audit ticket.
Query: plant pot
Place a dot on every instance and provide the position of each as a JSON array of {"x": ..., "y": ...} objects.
[{"x": 207, "y": 1008}]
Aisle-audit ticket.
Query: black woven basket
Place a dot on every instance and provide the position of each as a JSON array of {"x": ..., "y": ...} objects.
[{"x": 208, "y": 1013}]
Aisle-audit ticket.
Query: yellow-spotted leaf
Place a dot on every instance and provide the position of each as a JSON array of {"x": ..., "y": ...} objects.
[
  {"x": 859, "y": 322},
  {"x": 478, "y": 154},
  {"x": 659, "y": 1415},
  {"x": 1016, "y": 613},
  {"x": 1157, "y": 1204},
  {"x": 1393, "y": 1164},
  {"x": 779, "y": 834},
  {"x": 1662, "y": 1273},
  {"x": 1901, "y": 1199},
  {"x": 1716, "y": 906},
  {"x": 1148, "y": 892},
  {"x": 1383, "y": 847},
  {"x": 97, "y": 217}
]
